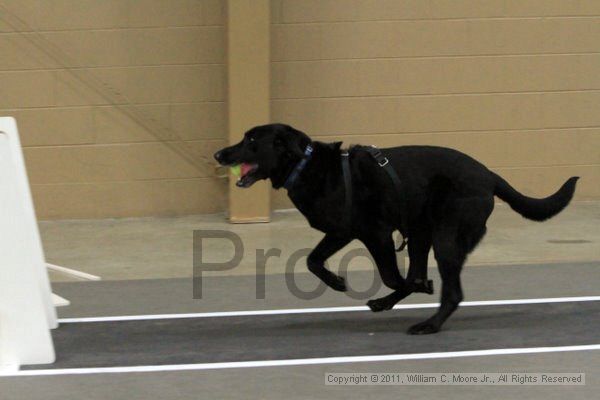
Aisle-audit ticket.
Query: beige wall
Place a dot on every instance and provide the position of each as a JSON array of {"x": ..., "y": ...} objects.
[
  {"x": 87, "y": 154},
  {"x": 118, "y": 100},
  {"x": 514, "y": 83}
]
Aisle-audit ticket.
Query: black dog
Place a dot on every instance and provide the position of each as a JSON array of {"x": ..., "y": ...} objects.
[{"x": 447, "y": 199}]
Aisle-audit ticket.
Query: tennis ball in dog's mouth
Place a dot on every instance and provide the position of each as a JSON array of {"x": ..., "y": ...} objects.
[{"x": 236, "y": 170}]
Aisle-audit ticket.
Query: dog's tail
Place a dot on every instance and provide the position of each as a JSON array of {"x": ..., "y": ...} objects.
[{"x": 536, "y": 209}]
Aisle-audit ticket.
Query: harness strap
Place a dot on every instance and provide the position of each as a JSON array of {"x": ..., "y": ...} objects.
[
  {"x": 348, "y": 190},
  {"x": 384, "y": 163}
]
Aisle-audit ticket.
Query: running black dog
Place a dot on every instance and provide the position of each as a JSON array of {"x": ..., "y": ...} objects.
[{"x": 444, "y": 201}]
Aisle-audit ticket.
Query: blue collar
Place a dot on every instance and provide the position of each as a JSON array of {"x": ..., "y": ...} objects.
[{"x": 289, "y": 182}]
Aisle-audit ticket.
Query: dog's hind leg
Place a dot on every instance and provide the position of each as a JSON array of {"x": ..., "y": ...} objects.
[
  {"x": 419, "y": 246},
  {"x": 450, "y": 258},
  {"x": 455, "y": 237},
  {"x": 382, "y": 249},
  {"x": 327, "y": 247}
]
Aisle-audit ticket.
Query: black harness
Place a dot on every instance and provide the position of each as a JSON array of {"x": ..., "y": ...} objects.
[
  {"x": 417, "y": 284},
  {"x": 348, "y": 191},
  {"x": 384, "y": 163}
]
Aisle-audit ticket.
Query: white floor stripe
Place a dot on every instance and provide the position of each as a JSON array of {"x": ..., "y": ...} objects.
[
  {"x": 292, "y": 362},
  {"x": 323, "y": 310}
]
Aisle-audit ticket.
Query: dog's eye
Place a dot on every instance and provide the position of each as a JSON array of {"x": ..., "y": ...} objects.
[{"x": 251, "y": 139}]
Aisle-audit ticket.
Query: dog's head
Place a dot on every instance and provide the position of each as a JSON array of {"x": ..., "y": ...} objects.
[{"x": 266, "y": 152}]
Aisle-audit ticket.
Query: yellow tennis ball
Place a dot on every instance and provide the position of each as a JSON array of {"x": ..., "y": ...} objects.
[{"x": 236, "y": 170}]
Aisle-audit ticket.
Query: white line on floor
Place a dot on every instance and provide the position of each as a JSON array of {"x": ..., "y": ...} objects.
[
  {"x": 301, "y": 361},
  {"x": 322, "y": 310}
]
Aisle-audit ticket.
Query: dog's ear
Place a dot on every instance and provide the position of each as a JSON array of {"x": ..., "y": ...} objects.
[
  {"x": 290, "y": 141},
  {"x": 337, "y": 145}
]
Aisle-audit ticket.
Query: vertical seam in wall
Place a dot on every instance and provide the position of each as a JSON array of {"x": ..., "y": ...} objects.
[{"x": 280, "y": 11}]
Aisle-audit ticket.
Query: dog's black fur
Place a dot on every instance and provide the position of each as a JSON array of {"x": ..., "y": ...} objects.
[{"x": 448, "y": 195}]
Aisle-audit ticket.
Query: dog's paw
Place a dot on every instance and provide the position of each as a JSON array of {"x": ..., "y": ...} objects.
[
  {"x": 423, "y": 328},
  {"x": 423, "y": 286},
  {"x": 337, "y": 283},
  {"x": 378, "y": 305}
]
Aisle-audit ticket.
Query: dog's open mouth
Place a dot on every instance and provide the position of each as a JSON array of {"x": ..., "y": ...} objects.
[{"x": 247, "y": 177}]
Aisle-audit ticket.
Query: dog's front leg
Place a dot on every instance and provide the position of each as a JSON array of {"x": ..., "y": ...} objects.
[
  {"x": 327, "y": 247},
  {"x": 381, "y": 247}
]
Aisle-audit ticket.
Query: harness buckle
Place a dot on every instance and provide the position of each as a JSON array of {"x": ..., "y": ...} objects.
[{"x": 383, "y": 162}]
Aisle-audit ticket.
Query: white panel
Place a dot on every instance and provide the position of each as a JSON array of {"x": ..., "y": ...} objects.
[{"x": 26, "y": 308}]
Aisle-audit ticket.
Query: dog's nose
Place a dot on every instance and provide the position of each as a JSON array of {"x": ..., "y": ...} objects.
[{"x": 218, "y": 155}]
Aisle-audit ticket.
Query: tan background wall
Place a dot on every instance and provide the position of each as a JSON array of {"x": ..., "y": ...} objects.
[
  {"x": 86, "y": 156},
  {"x": 514, "y": 83}
]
